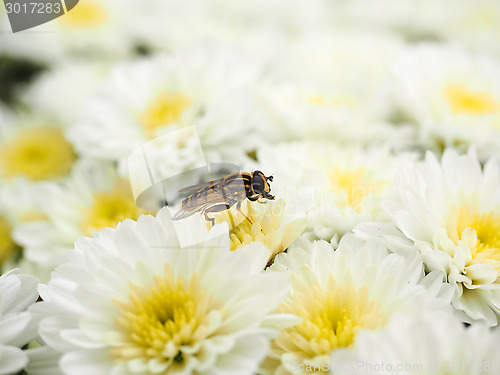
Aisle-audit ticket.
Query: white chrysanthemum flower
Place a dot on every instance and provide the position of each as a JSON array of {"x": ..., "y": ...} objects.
[
  {"x": 202, "y": 86},
  {"x": 131, "y": 301},
  {"x": 33, "y": 151},
  {"x": 431, "y": 343},
  {"x": 62, "y": 91},
  {"x": 34, "y": 148},
  {"x": 343, "y": 112},
  {"x": 451, "y": 95},
  {"x": 451, "y": 210},
  {"x": 92, "y": 199},
  {"x": 328, "y": 87},
  {"x": 265, "y": 223},
  {"x": 19, "y": 203},
  {"x": 344, "y": 185},
  {"x": 17, "y": 293},
  {"x": 341, "y": 293},
  {"x": 341, "y": 58}
]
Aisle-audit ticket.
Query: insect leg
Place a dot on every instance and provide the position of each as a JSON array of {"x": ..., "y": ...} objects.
[
  {"x": 211, "y": 219},
  {"x": 238, "y": 207},
  {"x": 218, "y": 208}
]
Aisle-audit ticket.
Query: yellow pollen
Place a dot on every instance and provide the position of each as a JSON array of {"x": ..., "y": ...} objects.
[
  {"x": 331, "y": 319},
  {"x": 462, "y": 100},
  {"x": 110, "y": 207},
  {"x": 33, "y": 216},
  {"x": 334, "y": 102},
  {"x": 245, "y": 232},
  {"x": 487, "y": 228},
  {"x": 159, "y": 321},
  {"x": 7, "y": 245},
  {"x": 353, "y": 185},
  {"x": 268, "y": 225},
  {"x": 165, "y": 109},
  {"x": 40, "y": 153},
  {"x": 87, "y": 14}
]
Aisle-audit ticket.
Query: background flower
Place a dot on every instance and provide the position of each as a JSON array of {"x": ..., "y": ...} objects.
[
  {"x": 339, "y": 294},
  {"x": 17, "y": 293},
  {"x": 449, "y": 209}
]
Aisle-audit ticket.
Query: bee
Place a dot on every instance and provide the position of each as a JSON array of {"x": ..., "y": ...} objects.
[{"x": 220, "y": 195}]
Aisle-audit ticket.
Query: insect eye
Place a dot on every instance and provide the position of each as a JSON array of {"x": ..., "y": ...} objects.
[
  {"x": 257, "y": 188},
  {"x": 258, "y": 185}
]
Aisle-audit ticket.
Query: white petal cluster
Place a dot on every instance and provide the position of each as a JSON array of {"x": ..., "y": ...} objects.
[
  {"x": 450, "y": 210},
  {"x": 451, "y": 95},
  {"x": 17, "y": 293},
  {"x": 436, "y": 346},
  {"x": 337, "y": 186},
  {"x": 132, "y": 301},
  {"x": 340, "y": 294},
  {"x": 202, "y": 86}
]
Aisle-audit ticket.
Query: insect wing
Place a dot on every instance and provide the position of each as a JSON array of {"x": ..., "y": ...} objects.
[
  {"x": 199, "y": 201},
  {"x": 228, "y": 191},
  {"x": 199, "y": 186},
  {"x": 184, "y": 213}
]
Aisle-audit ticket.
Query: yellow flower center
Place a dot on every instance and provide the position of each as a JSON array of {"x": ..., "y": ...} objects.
[
  {"x": 267, "y": 226},
  {"x": 331, "y": 319},
  {"x": 353, "y": 185},
  {"x": 40, "y": 153},
  {"x": 86, "y": 15},
  {"x": 463, "y": 100},
  {"x": 165, "y": 109},
  {"x": 487, "y": 228},
  {"x": 161, "y": 321},
  {"x": 109, "y": 208},
  {"x": 7, "y": 245},
  {"x": 243, "y": 232}
]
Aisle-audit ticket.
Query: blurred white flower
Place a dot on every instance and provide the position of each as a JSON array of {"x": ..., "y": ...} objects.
[
  {"x": 341, "y": 58},
  {"x": 92, "y": 199},
  {"x": 341, "y": 293},
  {"x": 345, "y": 113},
  {"x": 19, "y": 203},
  {"x": 34, "y": 148},
  {"x": 338, "y": 186},
  {"x": 475, "y": 25},
  {"x": 17, "y": 293},
  {"x": 431, "y": 343},
  {"x": 131, "y": 301},
  {"x": 204, "y": 87},
  {"x": 257, "y": 27},
  {"x": 452, "y": 96},
  {"x": 450, "y": 209},
  {"x": 62, "y": 91},
  {"x": 33, "y": 152}
]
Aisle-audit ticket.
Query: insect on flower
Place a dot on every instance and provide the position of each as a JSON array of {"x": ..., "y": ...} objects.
[{"x": 222, "y": 194}]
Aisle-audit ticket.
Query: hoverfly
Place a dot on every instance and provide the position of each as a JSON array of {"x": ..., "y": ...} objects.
[{"x": 222, "y": 194}]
